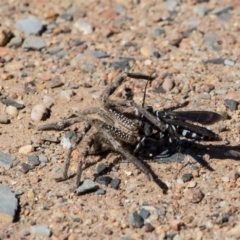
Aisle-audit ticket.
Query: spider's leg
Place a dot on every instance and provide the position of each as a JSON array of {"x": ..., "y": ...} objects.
[
  {"x": 89, "y": 143},
  {"x": 73, "y": 146},
  {"x": 96, "y": 110},
  {"x": 60, "y": 125},
  {"x": 119, "y": 148}
]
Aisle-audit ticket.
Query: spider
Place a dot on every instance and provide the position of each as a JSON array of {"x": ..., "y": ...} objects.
[{"x": 115, "y": 131}]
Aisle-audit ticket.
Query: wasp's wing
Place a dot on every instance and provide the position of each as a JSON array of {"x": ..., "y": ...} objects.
[
  {"x": 192, "y": 131},
  {"x": 203, "y": 117}
]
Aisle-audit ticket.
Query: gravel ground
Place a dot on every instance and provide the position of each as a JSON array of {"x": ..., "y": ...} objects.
[{"x": 56, "y": 58}]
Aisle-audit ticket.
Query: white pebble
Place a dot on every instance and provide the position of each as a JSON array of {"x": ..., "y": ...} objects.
[
  {"x": 67, "y": 94},
  {"x": 229, "y": 62},
  {"x": 40, "y": 231},
  {"x": 12, "y": 111},
  {"x": 48, "y": 101},
  {"x": 39, "y": 112},
  {"x": 26, "y": 149},
  {"x": 83, "y": 26}
]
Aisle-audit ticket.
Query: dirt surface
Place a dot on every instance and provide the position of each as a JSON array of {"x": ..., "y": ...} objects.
[{"x": 63, "y": 59}]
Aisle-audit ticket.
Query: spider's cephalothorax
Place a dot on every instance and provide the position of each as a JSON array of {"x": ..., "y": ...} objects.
[{"x": 113, "y": 132}]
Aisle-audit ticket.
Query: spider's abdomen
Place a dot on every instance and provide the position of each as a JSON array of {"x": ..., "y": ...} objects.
[
  {"x": 119, "y": 134},
  {"x": 128, "y": 123}
]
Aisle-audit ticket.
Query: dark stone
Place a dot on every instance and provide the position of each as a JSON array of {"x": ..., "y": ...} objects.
[
  {"x": 187, "y": 177},
  {"x": 115, "y": 183},
  {"x": 77, "y": 219},
  {"x": 100, "y": 169},
  {"x": 54, "y": 83},
  {"x": 187, "y": 33},
  {"x": 33, "y": 43},
  {"x": 78, "y": 42},
  {"x": 135, "y": 220},
  {"x": 144, "y": 213},
  {"x": 54, "y": 50},
  {"x": 222, "y": 10},
  {"x": 67, "y": 17},
  {"x": 105, "y": 180},
  {"x": 100, "y": 191},
  {"x": 170, "y": 236},
  {"x": 232, "y": 104},
  {"x": 159, "y": 89},
  {"x": 6, "y": 160},
  {"x": 34, "y": 160},
  {"x": 216, "y": 61},
  {"x": 88, "y": 67},
  {"x": 61, "y": 54},
  {"x": 9, "y": 102},
  {"x": 123, "y": 65},
  {"x": 157, "y": 32},
  {"x": 25, "y": 167},
  {"x": 149, "y": 227},
  {"x": 87, "y": 186},
  {"x": 98, "y": 54},
  {"x": 119, "y": 8},
  {"x": 161, "y": 212},
  {"x": 8, "y": 203},
  {"x": 156, "y": 54}
]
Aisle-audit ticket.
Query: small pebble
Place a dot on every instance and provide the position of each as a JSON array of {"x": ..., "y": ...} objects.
[
  {"x": 146, "y": 51},
  {"x": 115, "y": 183},
  {"x": 83, "y": 26},
  {"x": 131, "y": 188},
  {"x": 25, "y": 168},
  {"x": 34, "y": 160},
  {"x": 168, "y": 84},
  {"x": 67, "y": 94},
  {"x": 15, "y": 42},
  {"x": 221, "y": 91},
  {"x": 176, "y": 224},
  {"x": 6, "y": 160},
  {"x": 194, "y": 195},
  {"x": 192, "y": 184},
  {"x": 157, "y": 32},
  {"x": 48, "y": 101},
  {"x": 39, "y": 112},
  {"x": 235, "y": 231},
  {"x": 100, "y": 169},
  {"x": 26, "y": 149},
  {"x": 54, "y": 83},
  {"x": 68, "y": 138},
  {"x": 10, "y": 102},
  {"x": 87, "y": 186},
  {"x": 33, "y": 43},
  {"x": 98, "y": 54},
  {"x": 25, "y": 233},
  {"x": 12, "y": 111},
  {"x": 135, "y": 220},
  {"x": 40, "y": 231},
  {"x": 30, "y": 25},
  {"x": 229, "y": 62},
  {"x": 4, "y": 119},
  {"x": 42, "y": 158},
  {"x": 8, "y": 204},
  {"x": 231, "y": 104},
  {"x": 144, "y": 213},
  {"x": 187, "y": 177},
  {"x": 105, "y": 180},
  {"x": 149, "y": 228},
  {"x": 100, "y": 191}
]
